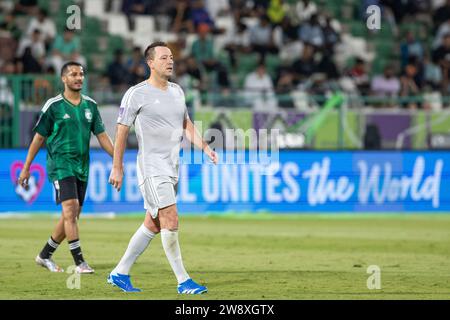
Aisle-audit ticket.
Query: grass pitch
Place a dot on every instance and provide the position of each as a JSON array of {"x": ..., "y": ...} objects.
[{"x": 243, "y": 257}]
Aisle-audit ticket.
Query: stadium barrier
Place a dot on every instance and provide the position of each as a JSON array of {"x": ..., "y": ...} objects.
[{"x": 298, "y": 181}]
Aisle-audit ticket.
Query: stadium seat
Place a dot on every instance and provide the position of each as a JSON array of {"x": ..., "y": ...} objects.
[
  {"x": 115, "y": 42},
  {"x": 142, "y": 40},
  {"x": 145, "y": 24},
  {"x": 94, "y": 8},
  {"x": 164, "y": 36},
  {"x": 247, "y": 62},
  {"x": 225, "y": 22},
  {"x": 94, "y": 26},
  {"x": 118, "y": 24}
]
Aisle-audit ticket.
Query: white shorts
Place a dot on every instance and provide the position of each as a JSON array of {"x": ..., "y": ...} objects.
[{"x": 158, "y": 192}]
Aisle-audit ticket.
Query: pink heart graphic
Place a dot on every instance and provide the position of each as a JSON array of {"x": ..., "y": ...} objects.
[{"x": 15, "y": 171}]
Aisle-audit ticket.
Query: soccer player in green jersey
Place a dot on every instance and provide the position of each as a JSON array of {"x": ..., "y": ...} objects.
[{"x": 66, "y": 122}]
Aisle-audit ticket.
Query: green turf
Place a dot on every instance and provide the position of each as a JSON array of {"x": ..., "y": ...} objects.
[{"x": 287, "y": 257}]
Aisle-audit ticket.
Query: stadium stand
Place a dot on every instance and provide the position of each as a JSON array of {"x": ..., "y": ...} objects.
[{"x": 309, "y": 48}]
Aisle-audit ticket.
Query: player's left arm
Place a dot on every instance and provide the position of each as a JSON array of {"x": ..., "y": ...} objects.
[
  {"x": 98, "y": 129},
  {"x": 194, "y": 137},
  {"x": 106, "y": 143}
]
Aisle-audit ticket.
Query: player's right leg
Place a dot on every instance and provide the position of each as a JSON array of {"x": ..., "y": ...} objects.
[
  {"x": 120, "y": 276},
  {"x": 44, "y": 258},
  {"x": 168, "y": 217}
]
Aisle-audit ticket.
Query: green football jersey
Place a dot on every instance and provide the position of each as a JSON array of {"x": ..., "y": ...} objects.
[{"x": 68, "y": 128}]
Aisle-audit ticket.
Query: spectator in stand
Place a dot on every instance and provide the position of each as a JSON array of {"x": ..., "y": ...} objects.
[
  {"x": 410, "y": 47},
  {"x": 259, "y": 89},
  {"x": 179, "y": 46},
  {"x": 441, "y": 15},
  {"x": 183, "y": 78},
  {"x": 331, "y": 36},
  {"x": 203, "y": 53},
  {"x": 304, "y": 67},
  {"x": 276, "y": 12},
  {"x": 441, "y": 56},
  {"x": 193, "y": 70},
  {"x": 242, "y": 8},
  {"x": 328, "y": 67},
  {"x": 359, "y": 75},
  {"x": 32, "y": 52},
  {"x": 29, "y": 63},
  {"x": 261, "y": 38},
  {"x": 285, "y": 85},
  {"x": 311, "y": 32},
  {"x": 442, "y": 31},
  {"x": 432, "y": 73},
  {"x": 131, "y": 7},
  {"x": 43, "y": 87},
  {"x": 386, "y": 84},
  {"x": 66, "y": 48},
  {"x": 238, "y": 43},
  {"x": 26, "y": 7},
  {"x": 9, "y": 25},
  {"x": 217, "y": 8},
  {"x": 6, "y": 95},
  {"x": 409, "y": 88},
  {"x": 181, "y": 17},
  {"x": 45, "y": 25},
  {"x": 137, "y": 68},
  {"x": 117, "y": 72},
  {"x": 301, "y": 11},
  {"x": 199, "y": 15},
  {"x": 288, "y": 30}
]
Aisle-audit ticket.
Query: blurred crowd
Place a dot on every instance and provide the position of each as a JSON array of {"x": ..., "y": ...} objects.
[{"x": 315, "y": 51}]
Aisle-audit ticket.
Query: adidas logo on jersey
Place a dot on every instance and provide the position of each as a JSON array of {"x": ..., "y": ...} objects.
[{"x": 66, "y": 116}]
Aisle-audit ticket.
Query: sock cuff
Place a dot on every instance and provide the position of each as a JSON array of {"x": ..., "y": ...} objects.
[
  {"x": 147, "y": 232},
  {"x": 52, "y": 243},
  {"x": 74, "y": 244},
  {"x": 167, "y": 231}
]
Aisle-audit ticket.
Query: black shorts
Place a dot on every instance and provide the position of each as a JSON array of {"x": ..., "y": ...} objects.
[{"x": 70, "y": 188}]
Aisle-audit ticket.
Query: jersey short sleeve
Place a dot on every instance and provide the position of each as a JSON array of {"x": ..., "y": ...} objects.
[
  {"x": 44, "y": 125},
  {"x": 129, "y": 108},
  {"x": 186, "y": 113},
  {"x": 97, "y": 125}
]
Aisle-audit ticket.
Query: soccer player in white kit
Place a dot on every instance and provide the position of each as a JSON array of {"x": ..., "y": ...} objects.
[{"x": 158, "y": 110}]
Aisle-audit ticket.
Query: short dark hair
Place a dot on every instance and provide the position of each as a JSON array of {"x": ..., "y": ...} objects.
[
  {"x": 66, "y": 66},
  {"x": 150, "y": 51}
]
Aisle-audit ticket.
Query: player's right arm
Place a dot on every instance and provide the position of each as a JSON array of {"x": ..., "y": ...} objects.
[
  {"x": 116, "y": 176},
  {"x": 36, "y": 144},
  {"x": 129, "y": 109},
  {"x": 42, "y": 129}
]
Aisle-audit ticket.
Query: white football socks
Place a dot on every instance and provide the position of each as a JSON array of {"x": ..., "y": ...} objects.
[
  {"x": 172, "y": 249},
  {"x": 138, "y": 243}
]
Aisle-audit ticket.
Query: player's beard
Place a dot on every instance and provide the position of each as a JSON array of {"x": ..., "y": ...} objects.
[{"x": 75, "y": 89}]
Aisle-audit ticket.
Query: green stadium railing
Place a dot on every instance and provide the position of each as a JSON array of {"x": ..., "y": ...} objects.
[
  {"x": 22, "y": 92},
  {"x": 29, "y": 92}
]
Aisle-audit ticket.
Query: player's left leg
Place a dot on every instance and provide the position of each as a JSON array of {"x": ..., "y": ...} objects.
[
  {"x": 72, "y": 208},
  {"x": 168, "y": 218},
  {"x": 58, "y": 235}
]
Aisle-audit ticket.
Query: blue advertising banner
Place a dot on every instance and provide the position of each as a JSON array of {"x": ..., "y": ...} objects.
[{"x": 297, "y": 181}]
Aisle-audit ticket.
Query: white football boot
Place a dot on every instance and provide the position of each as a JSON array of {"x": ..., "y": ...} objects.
[
  {"x": 49, "y": 264},
  {"x": 84, "y": 268}
]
